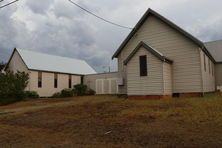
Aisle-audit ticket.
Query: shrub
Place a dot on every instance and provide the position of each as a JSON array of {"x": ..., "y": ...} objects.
[
  {"x": 66, "y": 93},
  {"x": 12, "y": 86},
  {"x": 56, "y": 95},
  {"x": 63, "y": 94},
  {"x": 80, "y": 89},
  {"x": 90, "y": 92},
  {"x": 31, "y": 94}
]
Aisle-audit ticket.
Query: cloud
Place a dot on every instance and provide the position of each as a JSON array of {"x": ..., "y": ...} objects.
[
  {"x": 40, "y": 7},
  {"x": 60, "y": 28}
]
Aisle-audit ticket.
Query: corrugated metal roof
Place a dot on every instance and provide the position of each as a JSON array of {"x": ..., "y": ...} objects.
[
  {"x": 215, "y": 48},
  {"x": 52, "y": 63}
]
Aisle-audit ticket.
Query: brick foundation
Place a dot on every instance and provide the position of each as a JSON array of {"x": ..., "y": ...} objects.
[
  {"x": 150, "y": 97},
  {"x": 196, "y": 94},
  {"x": 157, "y": 97}
]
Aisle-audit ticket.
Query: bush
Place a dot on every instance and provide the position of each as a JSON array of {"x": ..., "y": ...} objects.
[
  {"x": 56, "y": 95},
  {"x": 31, "y": 94},
  {"x": 63, "y": 94},
  {"x": 90, "y": 92},
  {"x": 66, "y": 93},
  {"x": 80, "y": 89},
  {"x": 12, "y": 86}
]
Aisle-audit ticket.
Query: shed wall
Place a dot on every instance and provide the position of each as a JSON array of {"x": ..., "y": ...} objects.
[{"x": 90, "y": 80}]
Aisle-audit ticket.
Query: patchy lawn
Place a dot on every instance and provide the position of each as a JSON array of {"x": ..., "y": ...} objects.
[{"x": 108, "y": 121}]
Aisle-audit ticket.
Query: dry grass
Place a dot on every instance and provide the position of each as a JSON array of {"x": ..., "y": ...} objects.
[{"x": 108, "y": 121}]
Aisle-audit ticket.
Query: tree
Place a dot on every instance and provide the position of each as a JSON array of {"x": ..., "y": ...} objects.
[
  {"x": 12, "y": 85},
  {"x": 2, "y": 65}
]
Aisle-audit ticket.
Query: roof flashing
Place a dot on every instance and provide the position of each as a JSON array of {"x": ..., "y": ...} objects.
[{"x": 149, "y": 49}]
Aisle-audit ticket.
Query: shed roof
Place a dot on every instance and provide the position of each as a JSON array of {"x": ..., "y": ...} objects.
[
  {"x": 52, "y": 63},
  {"x": 153, "y": 51},
  {"x": 165, "y": 20},
  {"x": 215, "y": 48}
]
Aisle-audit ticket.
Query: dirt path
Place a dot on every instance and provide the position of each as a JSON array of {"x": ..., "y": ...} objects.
[{"x": 35, "y": 105}]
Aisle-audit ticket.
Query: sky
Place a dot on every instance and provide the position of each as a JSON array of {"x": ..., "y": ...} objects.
[{"x": 57, "y": 27}]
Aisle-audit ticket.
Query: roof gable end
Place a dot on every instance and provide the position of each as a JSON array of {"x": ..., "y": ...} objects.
[
  {"x": 10, "y": 58},
  {"x": 168, "y": 22}
]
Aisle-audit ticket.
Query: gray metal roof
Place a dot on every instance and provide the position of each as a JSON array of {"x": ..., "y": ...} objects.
[
  {"x": 215, "y": 48},
  {"x": 52, "y": 63}
]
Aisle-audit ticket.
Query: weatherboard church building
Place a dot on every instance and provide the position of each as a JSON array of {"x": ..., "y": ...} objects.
[{"x": 158, "y": 59}]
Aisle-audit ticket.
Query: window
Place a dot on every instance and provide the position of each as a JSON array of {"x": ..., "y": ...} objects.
[
  {"x": 209, "y": 65},
  {"x": 205, "y": 63},
  {"x": 143, "y": 65},
  {"x": 55, "y": 80},
  {"x": 81, "y": 79},
  {"x": 212, "y": 68},
  {"x": 70, "y": 81},
  {"x": 39, "y": 79}
]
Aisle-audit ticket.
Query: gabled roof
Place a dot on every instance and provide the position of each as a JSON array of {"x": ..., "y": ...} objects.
[
  {"x": 51, "y": 63},
  {"x": 143, "y": 19},
  {"x": 215, "y": 48},
  {"x": 149, "y": 49}
]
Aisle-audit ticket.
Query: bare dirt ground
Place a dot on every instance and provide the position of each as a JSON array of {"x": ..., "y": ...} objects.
[{"x": 109, "y": 121}]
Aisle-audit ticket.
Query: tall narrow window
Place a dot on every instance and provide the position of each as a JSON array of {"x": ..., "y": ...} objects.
[
  {"x": 39, "y": 79},
  {"x": 212, "y": 68},
  {"x": 205, "y": 69},
  {"x": 143, "y": 65},
  {"x": 55, "y": 80},
  {"x": 81, "y": 79},
  {"x": 209, "y": 65},
  {"x": 70, "y": 81}
]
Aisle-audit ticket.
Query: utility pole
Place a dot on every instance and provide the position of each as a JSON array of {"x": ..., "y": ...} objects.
[{"x": 109, "y": 68}]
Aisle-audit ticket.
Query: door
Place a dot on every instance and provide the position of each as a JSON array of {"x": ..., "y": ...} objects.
[{"x": 106, "y": 86}]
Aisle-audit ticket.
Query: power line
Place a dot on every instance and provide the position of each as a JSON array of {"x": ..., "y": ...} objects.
[
  {"x": 8, "y": 3},
  {"x": 99, "y": 16}
]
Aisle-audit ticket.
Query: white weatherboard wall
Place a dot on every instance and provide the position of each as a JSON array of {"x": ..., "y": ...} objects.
[
  {"x": 167, "y": 79},
  {"x": 208, "y": 76},
  {"x": 152, "y": 84},
  {"x": 172, "y": 44}
]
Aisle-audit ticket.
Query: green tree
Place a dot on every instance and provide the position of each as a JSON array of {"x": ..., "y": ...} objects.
[
  {"x": 12, "y": 85},
  {"x": 2, "y": 65}
]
